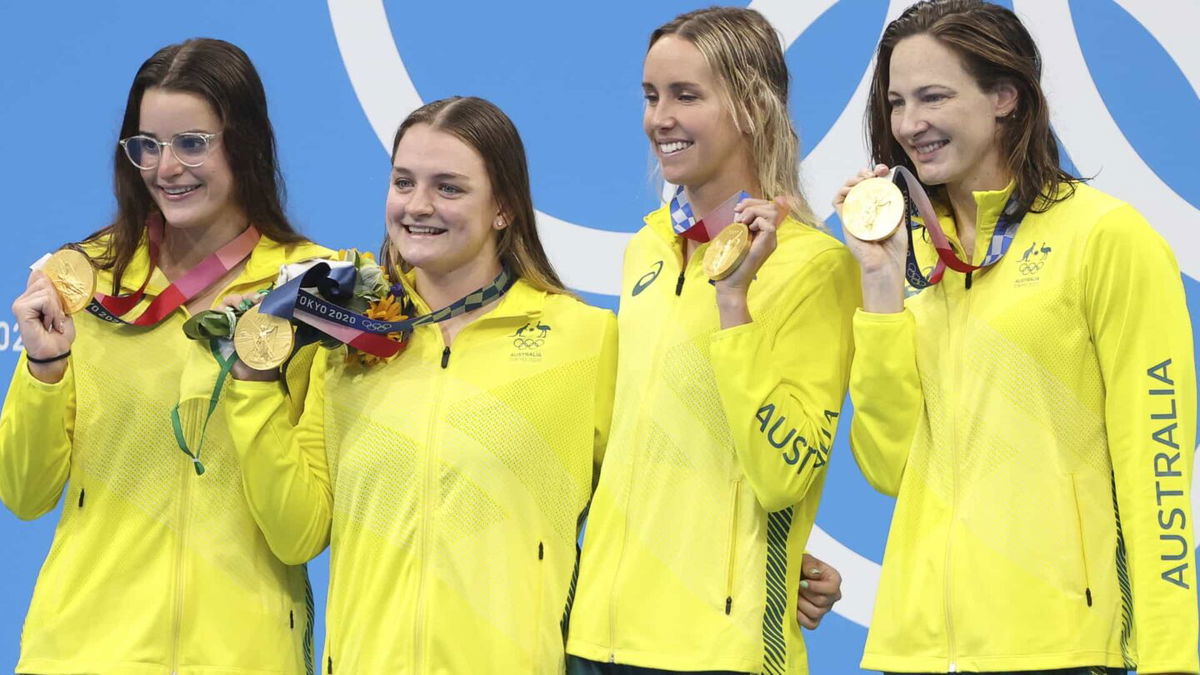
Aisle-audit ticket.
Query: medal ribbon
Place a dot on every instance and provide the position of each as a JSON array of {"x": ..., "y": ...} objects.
[
  {"x": 295, "y": 302},
  {"x": 920, "y": 206},
  {"x": 111, "y": 308},
  {"x": 683, "y": 219},
  {"x": 226, "y": 362}
]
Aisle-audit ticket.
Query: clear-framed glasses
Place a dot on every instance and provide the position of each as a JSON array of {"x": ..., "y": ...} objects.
[{"x": 190, "y": 148}]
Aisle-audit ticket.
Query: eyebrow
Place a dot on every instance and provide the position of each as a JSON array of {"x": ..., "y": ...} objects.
[
  {"x": 674, "y": 85},
  {"x": 444, "y": 175},
  {"x": 922, "y": 89},
  {"x": 142, "y": 132}
]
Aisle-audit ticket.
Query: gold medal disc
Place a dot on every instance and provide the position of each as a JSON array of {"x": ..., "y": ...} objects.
[
  {"x": 873, "y": 209},
  {"x": 262, "y": 341},
  {"x": 726, "y": 251},
  {"x": 73, "y": 277}
]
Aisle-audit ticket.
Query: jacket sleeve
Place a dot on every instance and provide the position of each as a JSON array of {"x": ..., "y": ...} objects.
[
  {"x": 606, "y": 377},
  {"x": 285, "y": 475},
  {"x": 37, "y": 426},
  {"x": 885, "y": 389},
  {"x": 782, "y": 389},
  {"x": 1138, "y": 318}
]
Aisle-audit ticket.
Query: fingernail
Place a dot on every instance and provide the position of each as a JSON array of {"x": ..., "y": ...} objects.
[
  {"x": 804, "y": 584},
  {"x": 815, "y": 572}
]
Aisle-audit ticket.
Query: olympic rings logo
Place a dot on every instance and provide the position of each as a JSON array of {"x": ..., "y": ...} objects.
[
  {"x": 527, "y": 343},
  {"x": 377, "y": 326},
  {"x": 1031, "y": 268}
]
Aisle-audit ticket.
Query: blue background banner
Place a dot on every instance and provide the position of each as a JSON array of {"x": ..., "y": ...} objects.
[{"x": 1122, "y": 77}]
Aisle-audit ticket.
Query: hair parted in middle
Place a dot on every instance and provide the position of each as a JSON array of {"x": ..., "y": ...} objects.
[
  {"x": 488, "y": 131},
  {"x": 743, "y": 51}
]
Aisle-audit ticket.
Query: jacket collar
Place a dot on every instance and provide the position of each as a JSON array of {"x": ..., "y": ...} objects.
[
  {"x": 263, "y": 265},
  {"x": 989, "y": 206},
  {"x": 522, "y": 300}
]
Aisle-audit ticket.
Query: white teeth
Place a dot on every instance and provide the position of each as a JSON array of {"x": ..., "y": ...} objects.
[
  {"x": 178, "y": 190},
  {"x": 675, "y": 146},
  {"x": 423, "y": 230},
  {"x": 930, "y": 147}
]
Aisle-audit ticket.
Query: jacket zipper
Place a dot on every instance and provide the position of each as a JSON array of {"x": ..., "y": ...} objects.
[
  {"x": 426, "y": 511},
  {"x": 612, "y": 595},
  {"x": 956, "y": 349},
  {"x": 184, "y": 508},
  {"x": 732, "y": 549},
  {"x": 535, "y": 644},
  {"x": 1087, "y": 580}
]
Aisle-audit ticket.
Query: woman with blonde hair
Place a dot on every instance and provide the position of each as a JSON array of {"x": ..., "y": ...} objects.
[
  {"x": 728, "y": 393},
  {"x": 449, "y": 481},
  {"x": 1030, "y": 412}
]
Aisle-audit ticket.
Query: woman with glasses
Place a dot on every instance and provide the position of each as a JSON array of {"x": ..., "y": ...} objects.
[
  {"x": 728, "y": 392},
  {"x": 1032, "y": 412},
  {"x": 157, "y": 564}
]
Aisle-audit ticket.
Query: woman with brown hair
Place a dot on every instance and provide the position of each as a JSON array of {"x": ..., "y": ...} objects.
[
  {"x": 157, "y": 564},
  {"x": 1030, "y": 412},
  {"x": 728, "y": 393},
  {"x": 449, "y": 481}
]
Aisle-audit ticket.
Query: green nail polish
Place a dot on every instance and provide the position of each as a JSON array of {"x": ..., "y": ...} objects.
[
  {"x": 804, "y": 584},
  {"x": 814, "y": 572}
]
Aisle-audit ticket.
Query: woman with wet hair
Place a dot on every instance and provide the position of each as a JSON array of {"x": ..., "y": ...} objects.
[
  {"x": 157, "y": 564},
  {"x": 728, "y": 392},
  {"x": 1031, "y": 412}
]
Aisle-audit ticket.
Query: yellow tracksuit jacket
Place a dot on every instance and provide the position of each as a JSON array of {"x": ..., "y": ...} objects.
[
  {"x": 153, "y": 569},
  {"x": 1037, "y": 429},
  {"x": 452, "y": 481},
  {"x": 717, "y": 457}
]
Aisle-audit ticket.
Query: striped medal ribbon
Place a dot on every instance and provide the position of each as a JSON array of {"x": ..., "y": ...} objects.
[
  {"x": 112, "y": 308},
  {"x": 684, "y": 221},
  {"x": 297, "y": 301},
  {"x": 919, "y": 206}
]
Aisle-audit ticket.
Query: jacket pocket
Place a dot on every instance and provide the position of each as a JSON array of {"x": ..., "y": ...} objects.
[
  {"x": 1087, "y": 583},
  {"x": 731, "y": 548}
]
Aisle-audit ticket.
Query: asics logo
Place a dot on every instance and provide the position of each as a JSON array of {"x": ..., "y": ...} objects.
[{"x": 648, "y": 278}]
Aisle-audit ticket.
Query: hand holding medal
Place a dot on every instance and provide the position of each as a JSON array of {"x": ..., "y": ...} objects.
[
  {"x": 872, "y": 208},
  {"x": 59, "y": 286},
  {"x": 740, "y": 249}
]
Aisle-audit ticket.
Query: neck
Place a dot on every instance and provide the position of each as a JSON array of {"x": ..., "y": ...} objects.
[
  {"x": 439, "y": 288},
  {"x": 709, "y": 195},
  {"x": 184, "y": 248},
  {"x": 962, "y": 194}
]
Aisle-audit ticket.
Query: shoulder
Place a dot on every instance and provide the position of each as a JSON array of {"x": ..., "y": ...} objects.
[
  {"x": 291, "y": 252},
  {"x": 570, "y": 308},
  {"x": 803, "y": 246}
]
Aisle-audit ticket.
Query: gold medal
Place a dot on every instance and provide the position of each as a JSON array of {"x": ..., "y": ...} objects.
[
  {"x": 873, "y": 209},
  {"x": 726, "y": 251},
  {"x": 73, "y": 277},
  {"x": 262, "y": 341}
]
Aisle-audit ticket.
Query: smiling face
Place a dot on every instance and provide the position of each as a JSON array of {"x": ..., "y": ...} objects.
[
  {"x": 189, "y": 197},
  {"x": 441, "y": 215},
  {"x": 690, "y": 129},
  {"x": 945, "y": 123}
]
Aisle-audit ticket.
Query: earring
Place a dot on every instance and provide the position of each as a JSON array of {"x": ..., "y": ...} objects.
[{"x": 499, "y": 223}]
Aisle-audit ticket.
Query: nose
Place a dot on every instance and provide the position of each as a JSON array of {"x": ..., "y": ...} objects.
[
  {"x": 660, "y": 117},
  {"x": 168, "y": 164},
  {"x": 420, "y": 203},
  {"x": 910, "y": 123}
]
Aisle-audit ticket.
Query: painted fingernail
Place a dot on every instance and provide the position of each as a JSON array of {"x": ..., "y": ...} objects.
[
  {"x": 814, "y": 572},
  {"x": 804, "y": 584}
]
